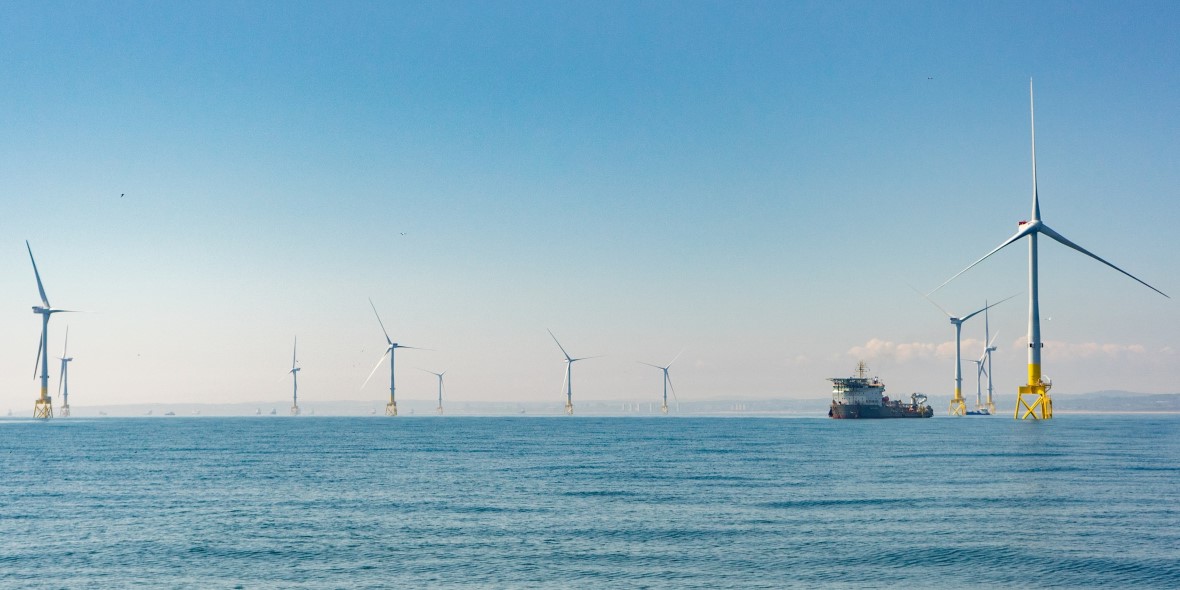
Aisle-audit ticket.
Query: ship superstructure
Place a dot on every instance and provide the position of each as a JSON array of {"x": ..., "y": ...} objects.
[{"x": 864, "y": 397}]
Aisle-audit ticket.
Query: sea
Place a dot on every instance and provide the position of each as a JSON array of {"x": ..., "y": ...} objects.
[{"x": 1081, "y": 501}]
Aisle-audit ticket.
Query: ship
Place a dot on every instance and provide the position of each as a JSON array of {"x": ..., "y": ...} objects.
[{"x": 862, "y": 397}]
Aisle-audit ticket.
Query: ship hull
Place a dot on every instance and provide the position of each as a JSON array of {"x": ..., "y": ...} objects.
[{"x": 863, "y": 411}]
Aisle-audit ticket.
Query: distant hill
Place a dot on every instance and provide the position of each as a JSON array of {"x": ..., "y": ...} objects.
[{"x": 1116, "y": 401}]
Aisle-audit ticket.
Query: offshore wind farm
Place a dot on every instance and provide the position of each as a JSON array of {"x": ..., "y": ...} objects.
[{"x": 734, "y": 198}]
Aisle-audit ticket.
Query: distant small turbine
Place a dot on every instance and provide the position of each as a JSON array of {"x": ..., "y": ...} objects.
[
  {"x": 63, "y": 383},
  {"x": 391, "y": 407},
  {"x": 294, "y": 380},
  {"x": 440, "y": 387},
  {"x": 987, "y": 352},
  {"x": 43, "y": 407},
  {"x": 667, "y": 384},
  {"x": 958, "y": 406},
  {"x": 569, "y": 361}
]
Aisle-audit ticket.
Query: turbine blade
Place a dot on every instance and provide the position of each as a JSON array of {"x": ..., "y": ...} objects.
[
  {"x": 670, "y": 388},
  {"x": 927, "y": 297},
  {"x": 1032, "y": 120},
  {"x": 66, "y": 348},
  {"x": 382, "y": 324},
  {"x": 650, "y": 365},
  {"x": 978, "y": 311},
  {"x": 61, "y": 376},
  {"x": 1027, "y": 229},
  {"x": 40, "y": 287},
  {"x": 675, "y": 358},
  {"x": 1062, "y": 239},
  {"x": 294, "y": 348},
  {"x": 997, "y": 335},
  {"x": 588, "y": 358},
  {"x": 413, "y": 347},
  {"x": 567, "y": 355},
  {"x": 377, "y": 366},
  {"x": 37, "y": 364}
]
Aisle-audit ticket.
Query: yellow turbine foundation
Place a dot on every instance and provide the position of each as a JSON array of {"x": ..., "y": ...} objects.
[
  {"x": 569, "y": 408},
  {"x": 294, "y": 410},
  {"x": 65, "y": 411},
  {"x": 391, "y": 409},
  {"x": 43, "y": 408},
  {"x": 1038, "y": 405},
  {"x": 664, "y": 409},
  {"x": 958, "y": 404}
]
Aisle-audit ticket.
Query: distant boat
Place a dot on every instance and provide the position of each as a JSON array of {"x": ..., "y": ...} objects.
[
  {"x": 979, "y": 412},
  {"x": 101, "y": 413},
  {"x": 273, "y": 412},
  {"x": 167, "y": 413}
]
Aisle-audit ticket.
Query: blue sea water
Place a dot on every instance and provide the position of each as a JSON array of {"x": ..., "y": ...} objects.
[{"x": 522, "y": 502}]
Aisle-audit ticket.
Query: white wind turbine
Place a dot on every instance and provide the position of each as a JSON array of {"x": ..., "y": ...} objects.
[
  {"x": 440, "y": 387},
  {"x": 43, "y": 407},
  {"x": 958, "y": 406},
  {"x": 667, "y": 383},
  {"x": 294, "y": 380},
  {"x": 63, "y": 382},
  {"x": 569, "y": 361},
  {"x": 987, "y": 352},
  {"x": 978, "y": 387},
  {"x": 1042, "y": 406},
  {"x": 391, "y": 407}
]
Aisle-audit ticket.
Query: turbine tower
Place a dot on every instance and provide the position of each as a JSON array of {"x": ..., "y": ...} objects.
[
  {"x": 294, "y": 380},
  {"x": 569, "y": 361},
  {"x": 987, "y": 352},
  {"x": 958, "y": 406},
  {"x": 391, "y": 407},
  {"x": 978, "y": 387},
  {"x": 63, "y": 383},
  {"x": 1037, "y": 388},
  {"x": 440, "y": 388},
  {"x": 667, "y": 383},
  {"x": 43, "y": 407}
]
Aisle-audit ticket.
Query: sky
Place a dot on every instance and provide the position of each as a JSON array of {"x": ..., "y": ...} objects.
[{"x": 756, "y": 184}]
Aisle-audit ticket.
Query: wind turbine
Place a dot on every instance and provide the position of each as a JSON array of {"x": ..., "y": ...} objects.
[
  {"x": 958, "y": 407},
  {"x": 569, "y": 361},
  {"x": 63, "y": 383},
  {"x": 979, "y": 411},
  {"x": 294, "y": 380},
  {"x": 667, "y": 384},
  {"x": 391, "y": 407},
  {"x": 43, "y": 407},
  {"x": 987, "y": 352},
  {"x": 440, "y": 387},
  {"x": 1041, "y": 408}
]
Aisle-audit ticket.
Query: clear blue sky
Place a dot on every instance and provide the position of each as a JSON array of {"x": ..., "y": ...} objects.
[{"x": 753, "y": 182}]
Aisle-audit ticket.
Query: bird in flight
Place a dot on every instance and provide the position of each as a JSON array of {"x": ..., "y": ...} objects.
[{"x": 121, "y": 195}]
